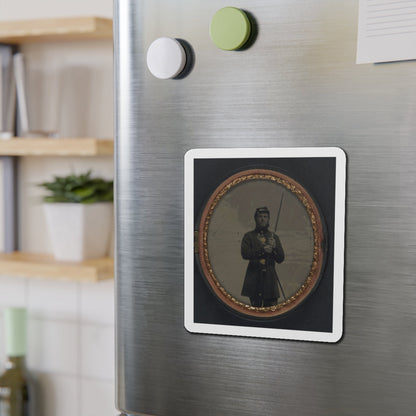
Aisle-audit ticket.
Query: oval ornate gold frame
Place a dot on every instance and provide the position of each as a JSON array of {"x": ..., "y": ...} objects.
[{"x": 317, "y": 263}]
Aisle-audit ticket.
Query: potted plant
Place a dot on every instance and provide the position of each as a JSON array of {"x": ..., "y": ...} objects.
[{"x": 79, "y": 216}]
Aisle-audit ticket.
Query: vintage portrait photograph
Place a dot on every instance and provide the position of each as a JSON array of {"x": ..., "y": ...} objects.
[
  {"x": 261, "y": 242},
  {"x": 264, "y": 242}
]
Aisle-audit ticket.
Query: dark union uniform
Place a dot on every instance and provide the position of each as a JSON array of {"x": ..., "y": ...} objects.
[{"x": 263, "y": 249}]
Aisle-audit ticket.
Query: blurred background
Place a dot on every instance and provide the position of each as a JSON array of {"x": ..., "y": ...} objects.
[{"x": 70, "y": 324}]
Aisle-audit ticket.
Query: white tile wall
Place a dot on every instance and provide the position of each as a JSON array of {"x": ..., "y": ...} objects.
[
  {"x": 53, "y": 346},
  {"x": 70, "y": 343},
  {"x": 12, "y": 292},
  {"x": 97, "y": 352},
  {"x": 90, "y": 391},
  {"x": 53, "y": 299},
  {"x": 56, "y": 395},
  {"x": 97, "y": 302}
]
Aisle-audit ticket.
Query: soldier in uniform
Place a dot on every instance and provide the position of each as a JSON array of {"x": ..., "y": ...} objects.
[{"x": 263, "y": 249}]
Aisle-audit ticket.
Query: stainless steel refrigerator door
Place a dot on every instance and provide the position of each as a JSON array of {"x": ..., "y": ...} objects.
[{"x": 298, "y": 85}]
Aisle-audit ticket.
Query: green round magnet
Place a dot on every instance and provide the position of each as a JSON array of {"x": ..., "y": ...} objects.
[{"x": 230, "y": 28}]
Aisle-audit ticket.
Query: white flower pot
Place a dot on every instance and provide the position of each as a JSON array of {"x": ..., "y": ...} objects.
[{"x": 79, "y": 231}]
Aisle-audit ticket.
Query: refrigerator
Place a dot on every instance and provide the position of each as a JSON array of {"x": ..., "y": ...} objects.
[{"x": 228, "y": 114}]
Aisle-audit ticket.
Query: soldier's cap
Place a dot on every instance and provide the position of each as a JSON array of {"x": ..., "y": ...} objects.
[{"x": 262, "y": 210}]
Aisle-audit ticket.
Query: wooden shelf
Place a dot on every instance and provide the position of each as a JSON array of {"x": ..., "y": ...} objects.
[
  {"x": 41, "y": 265},
  {"x": 19, "y": 146},
  {"x": 44, "y": 266},
  {"x": 39, "y": 30}
]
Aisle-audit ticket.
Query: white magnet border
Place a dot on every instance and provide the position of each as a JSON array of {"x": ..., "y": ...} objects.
[{"x": 339, "y": 241}]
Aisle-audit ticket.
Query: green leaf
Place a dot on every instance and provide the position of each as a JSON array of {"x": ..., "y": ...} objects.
[
  {"x": 78, "y": 188},
  {"x": 55, "y": 199}
]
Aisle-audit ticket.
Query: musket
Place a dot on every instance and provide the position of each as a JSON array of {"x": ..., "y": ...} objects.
[
  {"x": 275, "y": 229},
  {"x": 278, "y": 213}
]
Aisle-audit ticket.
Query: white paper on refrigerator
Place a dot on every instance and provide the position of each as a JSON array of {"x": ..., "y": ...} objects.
[{"x": 386, "y": 31}]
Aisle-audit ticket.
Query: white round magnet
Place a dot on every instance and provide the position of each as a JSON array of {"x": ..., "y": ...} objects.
[{"x": 166, "y": 58}]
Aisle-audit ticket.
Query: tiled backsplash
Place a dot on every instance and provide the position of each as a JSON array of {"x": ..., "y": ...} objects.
[{"x": 70, "y": 343}]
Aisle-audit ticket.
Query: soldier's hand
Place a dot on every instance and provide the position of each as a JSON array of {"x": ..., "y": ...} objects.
[
  {"x": 268, "y": 248},
  {"x": 271, "y": 242}
]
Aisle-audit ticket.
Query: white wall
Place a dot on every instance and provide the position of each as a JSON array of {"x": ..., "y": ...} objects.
[
  {"x": 71, "y": 325},
  {"x": 27, "y": 9}
]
